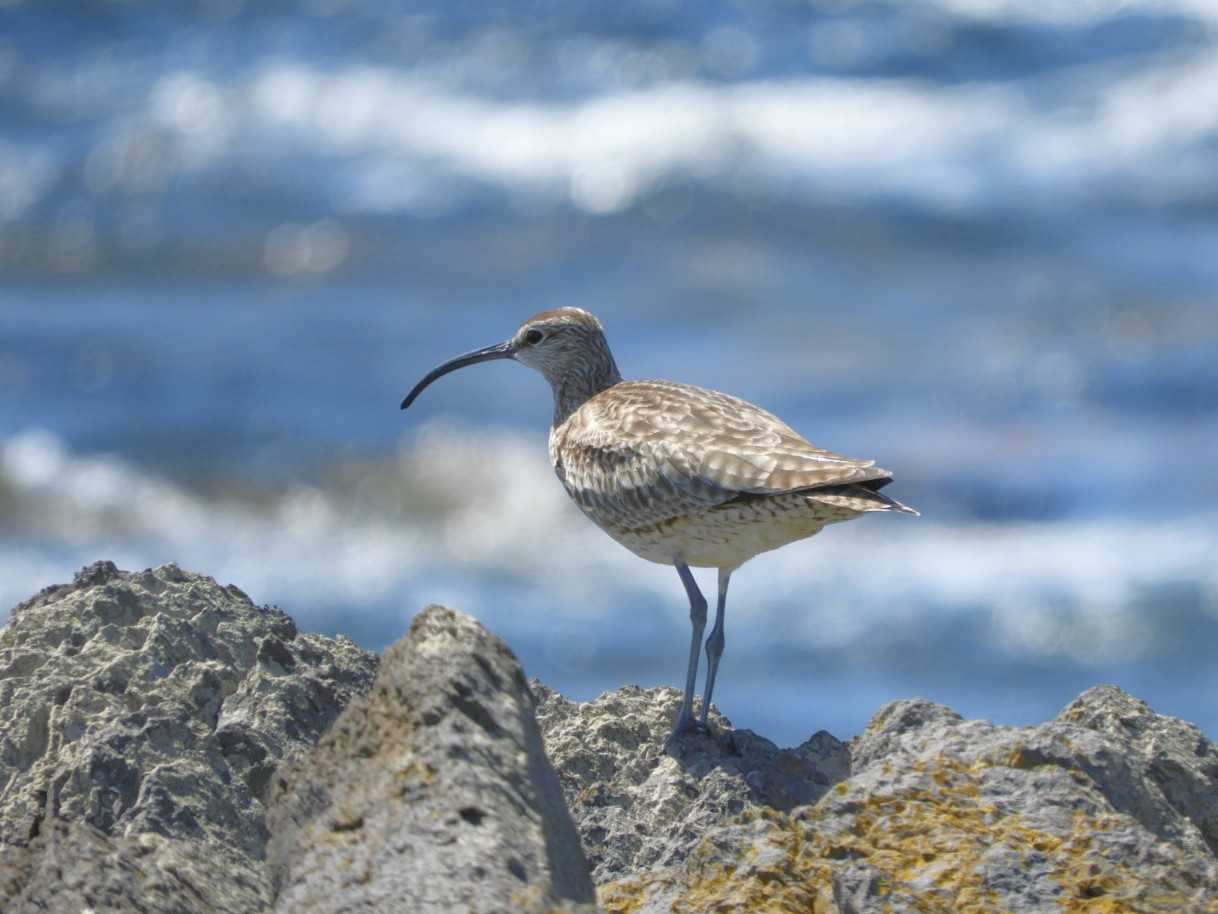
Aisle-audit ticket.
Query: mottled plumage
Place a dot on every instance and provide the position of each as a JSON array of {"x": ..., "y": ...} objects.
[
  {"x": 678, "y": 474},
  {"x": 652, "y": 462}
]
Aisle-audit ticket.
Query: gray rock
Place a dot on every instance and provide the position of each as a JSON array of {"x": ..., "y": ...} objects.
[
  {"x": 432, "y": 793},
  {"x": 151, "y": 709},
  {"x": 640, "y": 804},
  {"x": 148, "y": 720},
  {"x": 1176, "y": 764},
  {"x": 1156, "y": 769},
  {"x": 71, "y": 867},
  {"x": 1109, "y": 807}
]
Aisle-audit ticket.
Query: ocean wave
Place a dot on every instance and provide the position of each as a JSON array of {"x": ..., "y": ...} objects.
[
  {"x": 955, "y": 147},
  {"x": 366, "y": 139},
  {"x": 477, "y": 519},
  {"x": 1070, "y": 13}
]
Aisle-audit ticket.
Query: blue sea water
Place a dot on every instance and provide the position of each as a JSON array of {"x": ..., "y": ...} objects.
[{"x": 976, "y": 240}]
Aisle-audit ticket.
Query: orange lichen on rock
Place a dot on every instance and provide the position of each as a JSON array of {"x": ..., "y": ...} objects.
[{"x": 930, "y": 841}]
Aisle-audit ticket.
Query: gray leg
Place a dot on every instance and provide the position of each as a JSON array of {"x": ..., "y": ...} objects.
[
  {"x": 714, "y": 644},
  {"x": 697, "y": 618}
]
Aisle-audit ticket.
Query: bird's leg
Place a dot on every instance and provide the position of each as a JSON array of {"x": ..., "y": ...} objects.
[
  {"x": 697, "y": 618},
  {"x": 714, "y": 644}
]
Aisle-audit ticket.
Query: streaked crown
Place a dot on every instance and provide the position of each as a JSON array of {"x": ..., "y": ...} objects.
[{"x": 567, "y": 345}]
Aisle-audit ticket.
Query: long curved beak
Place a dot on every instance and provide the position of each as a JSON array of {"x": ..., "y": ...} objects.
[{"x": 486, "y": 354}]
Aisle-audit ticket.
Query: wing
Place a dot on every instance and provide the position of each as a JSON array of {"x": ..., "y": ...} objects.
[{"x": 643, "y": 452}]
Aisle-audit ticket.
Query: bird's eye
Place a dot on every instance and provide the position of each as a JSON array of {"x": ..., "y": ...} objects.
[{"x": 533, "y": 337}]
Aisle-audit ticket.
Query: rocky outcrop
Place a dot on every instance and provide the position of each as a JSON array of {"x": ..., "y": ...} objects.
[
  {"x": 641, "y": 804},
  {"x": 141, "y": 718},
  {"x": 430, "y": 794},
  {"x": 159, "y": 752},
  {"x": 1106, "y": 808}
]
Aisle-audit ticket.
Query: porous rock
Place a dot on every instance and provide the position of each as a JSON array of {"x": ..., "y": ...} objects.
[
  {"x": 432, "y": 793},
  {"x": 641, "y": 802},
  {"x": 1107, "y": 808},
  {"x": 71, "y": 867},
  {"x": 141, "y": 717}
]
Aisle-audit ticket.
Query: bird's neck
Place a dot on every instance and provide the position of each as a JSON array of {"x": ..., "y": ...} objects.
[{"x": 582, "y": 382}]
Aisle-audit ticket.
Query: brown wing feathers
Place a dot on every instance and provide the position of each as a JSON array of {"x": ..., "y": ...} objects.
[{"x": 672, "y": 448}]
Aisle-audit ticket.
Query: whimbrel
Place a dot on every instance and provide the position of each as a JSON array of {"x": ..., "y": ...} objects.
[{"x": 677, "y": 474}]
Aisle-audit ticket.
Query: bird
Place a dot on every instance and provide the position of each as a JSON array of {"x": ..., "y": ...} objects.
[{"x": 679, "y": 475}]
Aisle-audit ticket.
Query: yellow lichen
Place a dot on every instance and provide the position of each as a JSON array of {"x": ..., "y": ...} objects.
[{"x": 929, "y": 847}]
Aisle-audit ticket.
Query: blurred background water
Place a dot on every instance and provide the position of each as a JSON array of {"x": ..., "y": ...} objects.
[{"x": 976, "y": 240}]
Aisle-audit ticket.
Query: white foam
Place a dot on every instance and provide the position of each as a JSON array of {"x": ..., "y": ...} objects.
[
  {"x": 391, "y": 137},
  {"x": 1074, "y": 12},
  {"x": 958, "y": 146},
  {"x": 1049, "y": 588},
  {"x": 394, "y": 138}
]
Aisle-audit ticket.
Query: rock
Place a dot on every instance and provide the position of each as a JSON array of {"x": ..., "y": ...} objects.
[
  {"x": 149, "y": 721},
  {"x": 149, "y": 710},
  {"x": 1177, "y": 766},
  {"x": 432, "y": 793},
  {"x": 640, "y": 805},
  {"x": 72, "y": 867},
  {"x": 1109, "y": 807}
]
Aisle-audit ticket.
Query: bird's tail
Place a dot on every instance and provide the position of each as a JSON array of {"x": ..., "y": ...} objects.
[
  {"x": 859, "y": 497},
  {"x": 891, "y": 504}
]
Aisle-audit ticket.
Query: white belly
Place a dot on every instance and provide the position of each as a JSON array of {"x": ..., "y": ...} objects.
[{"x": 729, "y": 535}]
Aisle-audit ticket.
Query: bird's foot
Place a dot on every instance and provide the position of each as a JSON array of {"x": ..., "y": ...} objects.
[{"x": 687, "y": 725}]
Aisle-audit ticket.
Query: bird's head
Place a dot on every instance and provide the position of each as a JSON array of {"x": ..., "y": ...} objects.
[
  {"x": 559, "y": 342},
  {"x": 567, "y": 345}
]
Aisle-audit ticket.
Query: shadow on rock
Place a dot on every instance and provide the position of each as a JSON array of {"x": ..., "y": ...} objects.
[
  {"x": 641, "y": 803},
  {"x": 432, "y": 793}
]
